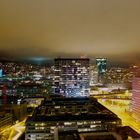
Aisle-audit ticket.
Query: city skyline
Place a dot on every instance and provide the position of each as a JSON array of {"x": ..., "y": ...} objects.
[
  {"x": 48, "y": 29},
  {"x": 69, "y": 69},
  {"x": 27, "y": 96}
]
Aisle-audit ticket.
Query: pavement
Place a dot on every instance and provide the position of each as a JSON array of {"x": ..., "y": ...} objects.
[{"x": 126, "y": 117}]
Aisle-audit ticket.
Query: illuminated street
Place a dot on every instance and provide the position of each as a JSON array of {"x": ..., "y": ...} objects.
[
  {"x": 127, "y": 120},
  {"x": 4, "y": 135},
  {"x": 17, "y": 130},
  {"x": 14, "y": 132}
]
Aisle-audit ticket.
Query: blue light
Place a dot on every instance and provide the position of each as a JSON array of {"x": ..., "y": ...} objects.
[{"x": 1, "y": 73}]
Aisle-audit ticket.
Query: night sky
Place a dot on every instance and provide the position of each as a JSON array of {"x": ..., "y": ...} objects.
[{"x": 44, "y": 29}]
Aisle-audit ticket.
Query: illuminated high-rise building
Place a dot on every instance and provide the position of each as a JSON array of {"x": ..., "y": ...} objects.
[
  {"x": 71, "y": 77},
  {"x": 101, "y": 65},
  {"x": 2, "y": 70},
  {"x": 93, "y": 75},
  {"x": 101, "y": 68},
  {"x": 136, "y": 97}
]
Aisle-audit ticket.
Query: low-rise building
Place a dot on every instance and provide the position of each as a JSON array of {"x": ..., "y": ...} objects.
[{"x": 66, "y": 114}]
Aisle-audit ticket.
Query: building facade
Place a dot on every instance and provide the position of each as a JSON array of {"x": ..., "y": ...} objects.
[
  {"x": 101, "y": 64},
  {"x": 93, "y": 75},
  {"x": 136, "y": 97},
  {"x": 71, "y": 77}
]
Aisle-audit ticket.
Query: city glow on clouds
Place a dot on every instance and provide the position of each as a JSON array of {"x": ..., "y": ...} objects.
[{"x": 52, "y": 28}]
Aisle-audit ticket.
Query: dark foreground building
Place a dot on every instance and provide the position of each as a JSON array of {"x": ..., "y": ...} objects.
[{"x": 69, "y": 114}]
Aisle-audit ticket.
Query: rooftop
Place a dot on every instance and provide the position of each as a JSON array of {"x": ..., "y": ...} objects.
[
  {"x": 100, "y": 136},
  {"x": 69, "y": 135},
  {"x": 71, "y": 59},
  {"x": 71, "y": 117}
]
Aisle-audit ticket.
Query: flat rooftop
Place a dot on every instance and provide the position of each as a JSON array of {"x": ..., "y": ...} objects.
[
  {"x": 69, "y": 135},
  {"x": 89, "y": 104},
  {"x": 71, "y": 117},
  {"x": 56, "y": 59},
  {"x": 91, "y": 110},
  {"x": 100, "y": 136}
]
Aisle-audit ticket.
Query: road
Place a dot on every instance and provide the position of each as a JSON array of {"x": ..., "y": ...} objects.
[
  {"x": 14, "y": 132},
  {"x": 17, "y": 130},
  {"x": 127, "y": 119}
]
